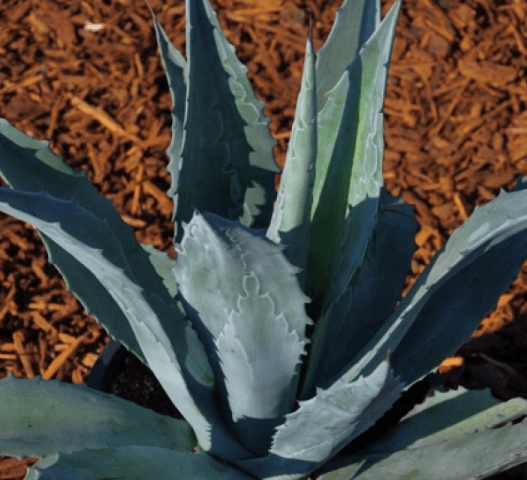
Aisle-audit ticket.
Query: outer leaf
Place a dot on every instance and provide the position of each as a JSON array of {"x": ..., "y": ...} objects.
[
  {"x": 325, "y": 424},
  {"x": 238, "y": 286},
  {"x": 445, "y": 415},
  {"x": 93, "y": 295},
  {"x": 132, "y": 462},
  {"x": 44, "y": 417},
  {"x": 349, "y": 168},
  {"x": 180, "y": 363},
  {"x": 292, "y": 214},
  {"x": 341, "y": 334},
  {"x": 232, "y": 172},
  {"x": 28, "y": 164},
  {"x": 458, "y": 288},
  {"x": 477, "y": 454}
]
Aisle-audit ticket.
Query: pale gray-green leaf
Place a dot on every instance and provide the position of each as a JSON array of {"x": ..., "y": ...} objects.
[
  {"x": 355, "y": 23},
  {"x": 325, "y": 423}
]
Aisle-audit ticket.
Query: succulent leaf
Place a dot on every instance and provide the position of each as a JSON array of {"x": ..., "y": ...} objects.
[
  {"x": 455, "y": 291},
  {"x": 28, "y": 164},
  {"x": 348, "y": 177},
  {"x": 225, "y": 163},
  {"x": 261, "y": 361},
  {"x": 445, "y": 415},
  {"x": 177, "y": 77},
  {"x": 247, "y": 306},
  {"x": 479, "y": 446},
  {"x": 179, "y": 361},
  {"x": 290, "y": 222},
  {"x": 133, "y": 462},
  {"x": 224, "y": 326},
  {"x": 355, "y": 23},
  {"x": 163, "y": 265},
  {"x": 45, "y": 417},
  {"x": 325, "y": 423},
  {"x": 343, "y": 331}
]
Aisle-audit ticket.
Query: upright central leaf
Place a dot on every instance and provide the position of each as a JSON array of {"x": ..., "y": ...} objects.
[{"x": 226, "y": 163}]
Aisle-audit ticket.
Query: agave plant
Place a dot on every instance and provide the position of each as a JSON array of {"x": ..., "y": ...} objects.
[{"x": 225, "y": 326}]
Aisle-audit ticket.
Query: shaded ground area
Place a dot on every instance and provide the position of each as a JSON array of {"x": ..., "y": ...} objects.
[{"x": 455, "y": 134}]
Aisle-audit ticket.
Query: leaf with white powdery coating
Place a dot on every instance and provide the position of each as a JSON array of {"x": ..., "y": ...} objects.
[
  {"x": 28, "y": 164},
  {"x": 355, "y": 23},
  {"x": 222, "y": 269},
  {"x": 325, "y": 423},
  {"x": 452, "y": 436},
  {"x": 455, "y": 291}
]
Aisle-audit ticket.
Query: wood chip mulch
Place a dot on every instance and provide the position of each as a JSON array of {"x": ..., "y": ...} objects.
[{"x": 87, "y": 77}]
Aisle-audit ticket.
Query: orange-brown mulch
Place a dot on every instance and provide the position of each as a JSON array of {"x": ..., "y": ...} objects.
[{"x": 87, "y": 76}]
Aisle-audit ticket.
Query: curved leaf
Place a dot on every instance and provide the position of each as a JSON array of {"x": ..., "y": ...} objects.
[
  {"x": 180, "y": 363},
  {"x": 456, "y": 290},
  {"x": 133, "y": 462},
  {"x": 467, "y": 455},
  {"x": 177, "y": 75},
  {"x": 325, "y": 424},
  {"x": 28, "y": 164},
  {"x": 44, "y": 417}
]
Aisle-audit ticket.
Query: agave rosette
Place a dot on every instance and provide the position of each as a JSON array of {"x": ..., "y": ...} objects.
[{"x": 224, "y": 326}]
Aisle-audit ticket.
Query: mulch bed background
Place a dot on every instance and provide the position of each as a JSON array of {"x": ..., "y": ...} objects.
[{"x": 455, "y": 133}]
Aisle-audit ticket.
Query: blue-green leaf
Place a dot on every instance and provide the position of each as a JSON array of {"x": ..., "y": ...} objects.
[
  {"x": 348, "y": 177},
  {"x": 179, "y": 362},
  {"x": 28, "y": 164},
  {"x": 445, "y": 415},
  {"x": 356, "y": 317},
  {"x": 355, "y": 23},
  {"x": 177, "y": 75},
  {"x": 133, "y": 463},
  {"x": 477, "y": 447},
  {"x": 290, "y": 223},
  {"x": 325, "y": 423},
  {"x": 456, "y": 290},
  {"x": 225, "y": 164},
  {"x": 247, "y": 306},
  {"x": 44, "y": 417},
  {"x": 163, "y": 265}
]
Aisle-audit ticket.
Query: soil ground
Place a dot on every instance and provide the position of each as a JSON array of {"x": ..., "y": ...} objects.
[{"x": 86, "y": 76}]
